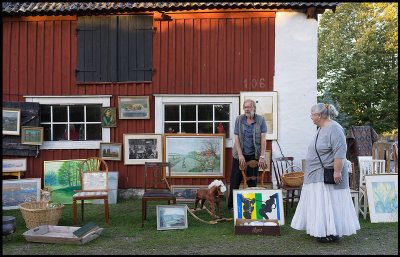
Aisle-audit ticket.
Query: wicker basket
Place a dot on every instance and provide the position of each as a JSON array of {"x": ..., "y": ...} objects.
[
  {"x": 293, "y": 179},
  {"x": 38, "y": 213}
]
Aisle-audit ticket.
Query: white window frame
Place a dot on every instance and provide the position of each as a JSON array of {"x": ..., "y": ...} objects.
[
  {"x": 163, "y": 99},
  {"x": 104, "y": 100}
]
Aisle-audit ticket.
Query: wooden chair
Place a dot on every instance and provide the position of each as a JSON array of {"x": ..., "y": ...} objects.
[
  {"x": 381, "y": 151},
  {"x": 395, "y": 153},
  {"x": 156, "y": 185},
  {"x": 93, "y": 174},
  {"x": 367, "y": 167},
  {"x": 252, "y": 164},
  {"x": 353, "y": 189},
  {"x": 283, "y": 165}
]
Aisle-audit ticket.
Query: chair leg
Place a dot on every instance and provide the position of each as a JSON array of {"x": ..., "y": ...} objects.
[
  {"x": 74, "y": 210},
  {"x": 106, "y": 209},
  {"x": 143, "y": 212},
  {"x": 287, "y": 203},
  {"x": 82, "y": 207}
]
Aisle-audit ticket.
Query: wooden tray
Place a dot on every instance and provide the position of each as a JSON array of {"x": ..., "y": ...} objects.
[{"x": 59, "y": 235}]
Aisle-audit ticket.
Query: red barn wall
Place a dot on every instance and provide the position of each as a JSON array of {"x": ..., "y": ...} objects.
[{"x": 193, "y": 53}]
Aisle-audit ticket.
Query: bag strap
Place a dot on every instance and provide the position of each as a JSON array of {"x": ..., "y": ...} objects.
[{"x": 316, "y": 148}]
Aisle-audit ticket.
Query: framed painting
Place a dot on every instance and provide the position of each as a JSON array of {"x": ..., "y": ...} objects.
[
  {"x": 108, "y": 117},
  {"x": 62, "y": 176},
  {"x": 267, "y": 106},
  {"x": 141, "y": 148},
  {"x": 14, "y": 164},
  {"x": 16, "y": 191},
  {"x": 171, "y": 217},
  {"x": 267, "y": 160},
  {"x": 110, "y": 151},
  {"x": 11, "y": 121},
  {"x": 186, "y": 193},
  {"x": 133, "y": 107},
  {"x": 383, "y": 198},
  {"x": 31, "y": 135},
  {"x": 261, "y": 204},
  {"x": 195, "y": 155}
]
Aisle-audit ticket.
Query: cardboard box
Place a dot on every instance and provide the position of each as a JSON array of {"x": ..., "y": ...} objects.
[{"x": 256, "y": 230}]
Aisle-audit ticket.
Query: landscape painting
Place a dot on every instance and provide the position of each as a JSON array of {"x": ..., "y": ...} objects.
[
  {"x": 16, "y": 191},
  {"x": 171, "y": 217},
  {"x": 195, "y": 155}
]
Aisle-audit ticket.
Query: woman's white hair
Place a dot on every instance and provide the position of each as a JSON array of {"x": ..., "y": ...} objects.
[
  {"x": 326, "y": 110},
  {"x": 217, "y": 183}
]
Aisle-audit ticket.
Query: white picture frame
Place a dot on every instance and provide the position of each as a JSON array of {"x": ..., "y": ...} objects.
[
  {"x": 141, "y": 148},
  {"x": 16, "y": 191},
  {"x": 172, "y": 217},
  {"x": 14, "y": 164}
]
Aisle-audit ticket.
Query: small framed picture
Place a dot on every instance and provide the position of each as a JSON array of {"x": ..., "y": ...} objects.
[
  {"x": 186, "y": 193},
  {"x": 133, "y": 107},
  {"x": 11, "y": 121},
  {"x": 171, "y": 217},
  {"x": 267, "y": 160},
  {"x": 111, "y": 151},
  {"x": 14, "y": 164},
  {"x": 108, "y": 117},
  {"x": 31, "y": 135}
]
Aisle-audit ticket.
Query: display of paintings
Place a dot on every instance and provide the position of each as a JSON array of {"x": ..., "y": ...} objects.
[
  {"x": 133, "y": 107},
  {"x": 171, "y": 217},
  {"x": 141, "y": 148},
  {"x": 195, "y": 155},
  {"x": 108, "y": 117},
  {"x": 185, "y": 193},
  {"x": 31, "y": 135},
  {"x": 62, "y": 176},
  {"x": 11, "y": 121},
  {"x": 261, "y": 204},
  {"x": 110, "y": 151},
  {"x": 16, "y": 191},
  {"x": 14, "y": 164},
  {"x": 267, "y": 106},
  {"x": 383, "y": 198}
]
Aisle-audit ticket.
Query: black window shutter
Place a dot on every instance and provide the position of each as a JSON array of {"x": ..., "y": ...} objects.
[{"x": 30, "y": 116}]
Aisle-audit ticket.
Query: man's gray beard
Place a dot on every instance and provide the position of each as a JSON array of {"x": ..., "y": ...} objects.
[{"x": 250, "y": 115}]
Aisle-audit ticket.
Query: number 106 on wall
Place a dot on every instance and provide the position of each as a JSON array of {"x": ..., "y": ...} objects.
[{"x": 254, "y": 83}]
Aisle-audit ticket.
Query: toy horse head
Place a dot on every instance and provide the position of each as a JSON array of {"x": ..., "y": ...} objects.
[{"x": 218, "y": 186}]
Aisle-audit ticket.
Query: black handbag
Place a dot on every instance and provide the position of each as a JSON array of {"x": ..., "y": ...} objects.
[{"x": 328, "y": 172}]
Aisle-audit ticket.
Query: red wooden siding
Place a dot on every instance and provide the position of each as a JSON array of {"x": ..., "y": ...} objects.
[{"x": 198, "y": 53}]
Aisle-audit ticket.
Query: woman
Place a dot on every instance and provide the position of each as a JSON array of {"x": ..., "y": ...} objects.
[{"x": 326, "y": 211}]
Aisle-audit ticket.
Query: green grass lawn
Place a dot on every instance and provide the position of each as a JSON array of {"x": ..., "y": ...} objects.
[{"x": 126, "y": 236}]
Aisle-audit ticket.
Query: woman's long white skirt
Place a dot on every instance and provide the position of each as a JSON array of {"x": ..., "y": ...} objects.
[{"x": 323, "y": 211}]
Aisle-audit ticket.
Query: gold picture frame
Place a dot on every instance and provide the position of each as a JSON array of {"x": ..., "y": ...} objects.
[
  {"x": 133, "y": 107},
  {"x": 110, "y": 151},
  {"x": 31, "y": 135}
]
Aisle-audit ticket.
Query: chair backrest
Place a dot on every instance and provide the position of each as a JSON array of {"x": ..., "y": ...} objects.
[
  {"x": 395, "y": 153},
  {"x": 381, "y": 151},
  {"x": 157, "y": 175},
  {"x": 370, "y": 167},
  {"x": 254, "y": 164},
  {"x": 280, "y": 164},
  {"x": 93, "y": 174}
]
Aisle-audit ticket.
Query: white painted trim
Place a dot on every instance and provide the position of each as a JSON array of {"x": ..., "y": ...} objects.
[
  {"x": 104, "y": 100},
  {"x": 161, "y": 99}
]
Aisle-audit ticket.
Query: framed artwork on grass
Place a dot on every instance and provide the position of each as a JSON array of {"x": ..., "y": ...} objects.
[
  {"x": 383, "y": 197},
  {"x": 31, "y": 135},
  {"x": 261, "y": 204},
  {"x": 133, "y": 107},
  {"x": 195, "y": 155},
  {"x": 110, "y": 151},
  {"x": 186, "y": 193},
  {"x": 16, "y": 191},
  {"x": 108, "y": 117},
  {"x": 267, "y": 106},
  {"x": 141, "y": 148},
  {"x": 11, "y": 121},
  {"x": 171, "y": 217}
]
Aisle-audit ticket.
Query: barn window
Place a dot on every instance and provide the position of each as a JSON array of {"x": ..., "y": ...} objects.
[
  {"x": 72, "y": 122},
  {"x": 115, "y": 48},
  {"x": 196, "y": 114}
]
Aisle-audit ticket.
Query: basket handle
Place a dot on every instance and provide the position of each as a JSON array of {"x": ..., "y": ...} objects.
[{"x": 293, "y": 166}]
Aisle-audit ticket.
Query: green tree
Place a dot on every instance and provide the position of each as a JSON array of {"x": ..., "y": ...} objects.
[
  {"x": 68, "y": 173},
  {"x": 50, "y": 178},
  {"x": 358, "y": 63}
]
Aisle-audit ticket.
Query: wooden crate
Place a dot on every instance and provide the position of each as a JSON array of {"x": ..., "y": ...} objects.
[{"x": 256, "y": 230}]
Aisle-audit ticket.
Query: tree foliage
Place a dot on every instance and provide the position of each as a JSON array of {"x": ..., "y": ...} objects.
[{"x": 358, "y": 63}]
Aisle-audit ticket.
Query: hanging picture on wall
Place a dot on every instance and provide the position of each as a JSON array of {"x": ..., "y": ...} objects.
[
  {"x": 11, "y": 121},
  {"x": 111, "y": 151},
  {"x": 141, "y": 148},
  {"x": 133, "y": 107},
  {"x": 31, "y": 135},
  {"x": 108, "y": 117},
  {"x": 266, "y": 106},
  {"x": 195, "y": 155}
]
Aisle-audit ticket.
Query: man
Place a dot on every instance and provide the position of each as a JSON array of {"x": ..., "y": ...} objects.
[{"x": 250, "y": 133}]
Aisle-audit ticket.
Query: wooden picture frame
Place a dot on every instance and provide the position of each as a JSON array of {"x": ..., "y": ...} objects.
[
  {"x": 258, "y": 200},
  {"x": 186, "y": 193},
  {"x": 195, "y": 155},
  {"x": 141, "y": 148},
  {"x": 133, "y": 107},
  {"x": 16, "y": 191},
  {"x": 108, "y": 117},
  {"x": 11, "y": 121},
  {"x": 267, "y": 161},
  {"x": 31, "y": 135},
  {"x": 266, "y": 106},
  {"x": 171, "y": 217},
  {"x": 382, "y": 192},
  {"x": 110, "y": 151}
]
